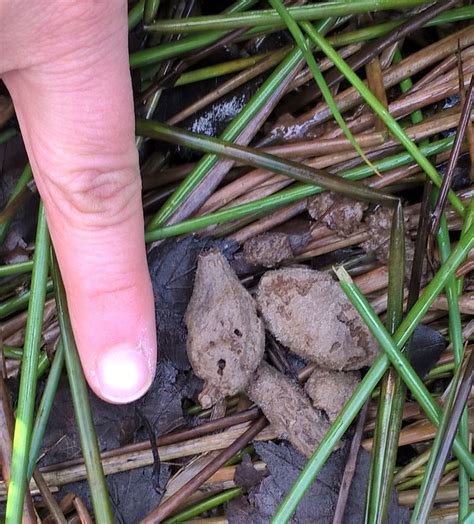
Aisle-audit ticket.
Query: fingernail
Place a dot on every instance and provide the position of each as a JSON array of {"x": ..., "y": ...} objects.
[{"x": 123, "y": 374}]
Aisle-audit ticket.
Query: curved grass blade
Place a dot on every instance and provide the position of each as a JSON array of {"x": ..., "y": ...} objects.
[
  {"x": 318, "y": 77},
  {"x": 285, "y": 197},
  {"x": 378, "y": 108},
  {"x": 80, "y": 399},
  {"x": 370, "y": 381},
  {"x": 28, "y": 379},
  {"x": 256, "y": 158}
]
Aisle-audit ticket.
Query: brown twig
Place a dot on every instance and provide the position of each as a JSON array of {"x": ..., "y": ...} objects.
[
  {"x": 82, "y": 512},
  {"x": 171, "y": 438},
  {"x": 372, "y": 49},
  {"x": 49, "y": 500},
  {"x": 420, "y": 245},
  {"x": 165, "y": 509},
  {"x": 447, "y": 179},
  {"x": 469, "y": 128},
  {"x": 408, "y": 67},
  {"x": 375, "y": 81},
  {"x": 350, "y": 467}
]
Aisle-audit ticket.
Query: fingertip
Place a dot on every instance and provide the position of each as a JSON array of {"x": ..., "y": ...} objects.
[{"x": 123, "y": 373}]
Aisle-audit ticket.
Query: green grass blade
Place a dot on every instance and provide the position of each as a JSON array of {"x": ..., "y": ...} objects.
[
  {"x": 390, "y": 414},
  {"x": 452, "y": 414},
  {"x": 468, "y": 221},
  {"x": 392, "y": 392},
  {"x": 153, "y": 55},
  {"x": 150, "y": 10},
  {"x": 25, "y": 177},
  {"x": 44, "y": 408},
  {"x": 225, "y": 68},
  {"x": 285, "y": 197},
  {"x": 381, "y": 111},
  {"x": 258, "y": 159},
  {"x": 303, "y": 44},
  {"x": 80, "y": 398},
  {"x": 270, "y": 17},
  {"x": 135, "y": 15},
  {"x": 400, "y": 362},
  {"x": 374, "y": 31},
  {"x": 456, "y": 336},
  {"x": 28, "y": 379},
  {"x": 20, "y": 302},
  {"x": 16, "y": 269},
  {"x": 205, "y": 505},
  {"x": 17, "y": 354},
  {"x": 370, "y": 381},
  {"x": 230, "y": 134}
]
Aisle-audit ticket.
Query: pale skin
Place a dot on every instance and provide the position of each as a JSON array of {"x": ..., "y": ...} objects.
[{"x": 65, "y": 64}]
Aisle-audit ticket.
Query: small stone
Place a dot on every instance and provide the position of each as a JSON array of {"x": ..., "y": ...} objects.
[
  {"x": 330, "y": 390},
  {"x": 307, "y": 311},
  {"x": 226, "y": 338}
]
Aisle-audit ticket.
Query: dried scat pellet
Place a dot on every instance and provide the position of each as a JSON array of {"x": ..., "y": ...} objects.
[
  {"x": 307, "y": 311},
  {"x": 330, "y": 390},
  {"x": 226, "y": 338},
  {"x": 287, "y": 408}
]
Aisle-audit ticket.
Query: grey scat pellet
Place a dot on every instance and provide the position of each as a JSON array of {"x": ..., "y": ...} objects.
[
  {"x": 307, "y": 311},
  {"x": 226, "y": 338}
]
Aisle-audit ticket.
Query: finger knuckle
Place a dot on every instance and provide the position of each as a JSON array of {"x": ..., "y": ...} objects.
[{"x": 98, "y": 198}]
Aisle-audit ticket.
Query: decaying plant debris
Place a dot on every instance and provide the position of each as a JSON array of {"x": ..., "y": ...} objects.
[
  {"x": 253, "y": 327},
  {"x": 339, "y": 214},
  {"x": 268, "y": 249}
]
